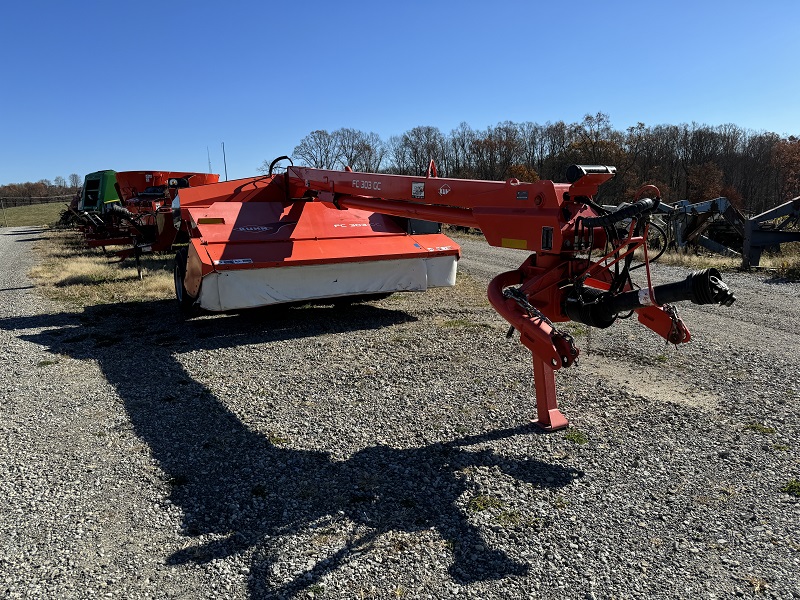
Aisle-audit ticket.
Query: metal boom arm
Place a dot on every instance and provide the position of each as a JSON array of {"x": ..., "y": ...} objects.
[{"x": 561, "y": 226}]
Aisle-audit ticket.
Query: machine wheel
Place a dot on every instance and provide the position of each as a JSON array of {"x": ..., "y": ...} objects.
[{"x": 185, "y": 301}]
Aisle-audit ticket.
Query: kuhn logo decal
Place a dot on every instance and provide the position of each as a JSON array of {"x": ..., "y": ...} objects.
[
  {"x": 268, "y": 228},
  {"x": 255, "y": 228}
]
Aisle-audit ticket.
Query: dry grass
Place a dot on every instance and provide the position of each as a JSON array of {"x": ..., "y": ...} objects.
[
  {"x": 700, "y": 261},
  {"x": 787, "y": 264},
  {"x": 70, "y": 272}
]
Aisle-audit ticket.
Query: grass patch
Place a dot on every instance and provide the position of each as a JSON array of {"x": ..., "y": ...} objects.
[
  {"x": 34, "y": 215},
  {"x": 278, "y": 440},
  {"x": 790, "y": 268},
  {"x": 759, "y": 586},
  {"x": 720, "y": 495},
  {"x": 574, "y": 328},
  {"x": 760, "y": 428},
  {"x": 46, "y": 363},
  {"x": 69, "y": 272},
  {"x": 792, "y": 487},
  {"x": 576, "y": 436},
  {"x": 560, "y": 502},
  {"x": 482, "y": 502},
  {"x": 509, "y": 518},
  {"x": 787, "y": 264}
]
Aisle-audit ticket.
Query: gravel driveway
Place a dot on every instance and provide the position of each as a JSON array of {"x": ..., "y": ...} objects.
[{"x": 383, "y": 450}]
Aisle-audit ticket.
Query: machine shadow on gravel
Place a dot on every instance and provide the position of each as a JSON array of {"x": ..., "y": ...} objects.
[
  {"x": 35, "y": 234},
  {"x": 251, "y": 495},
  {"x": 28, "y": 231}
]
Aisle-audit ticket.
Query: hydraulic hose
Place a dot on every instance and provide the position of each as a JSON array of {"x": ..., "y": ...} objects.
[
  {"x": 629, "y": 211},
  {"x": 121, "y": 212},
  {"x": 276, "y": 161}
]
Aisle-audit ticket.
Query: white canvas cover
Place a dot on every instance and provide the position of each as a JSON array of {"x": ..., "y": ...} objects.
[{"x": 248, "y": 288}]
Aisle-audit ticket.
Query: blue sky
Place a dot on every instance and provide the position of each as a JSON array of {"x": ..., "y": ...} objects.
[{"x": 153, "y": 85}]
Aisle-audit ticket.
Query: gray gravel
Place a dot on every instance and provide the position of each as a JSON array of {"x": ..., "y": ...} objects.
[{"x": 383, "y": 450}]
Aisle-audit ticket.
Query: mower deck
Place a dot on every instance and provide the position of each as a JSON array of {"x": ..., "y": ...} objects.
[{"x": 249, "y": 254}]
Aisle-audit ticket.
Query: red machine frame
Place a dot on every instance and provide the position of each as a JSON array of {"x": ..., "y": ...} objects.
[{"x": 561, "y": 226}]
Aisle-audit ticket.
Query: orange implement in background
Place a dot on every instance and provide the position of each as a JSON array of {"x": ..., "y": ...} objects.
[{"x": 140, "y": 218}]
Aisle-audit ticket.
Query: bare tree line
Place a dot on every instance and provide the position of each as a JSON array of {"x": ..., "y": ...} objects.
[
  {"x": 44, "y": 188},
  {"x": 755, "y": 170}
]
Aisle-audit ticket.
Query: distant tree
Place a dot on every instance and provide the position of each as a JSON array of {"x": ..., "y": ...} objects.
[
  {"x": 508, "y": 145},
  {"x": 457, "y": 160},
  {"x": 557, "y": 138},
  {"x": 398, "y": 156},
  {"x": 484, "y": 156},
  {"x": 423, "y": 144},
  {"x": 264, "y": 167},
  {"x": 495, "y": 150},
  {"x": 755, "y": 170},
  {"x": 595, "y": 140},
  {"x": 787, "y": 157},
  {"x": 319, "y": 149},
  {"x": 760, "y": 181},
  {"x": 75, "y": 181},
  {"x": 532, "y": 145},
  {"x": 350, "y": 143},
  {"x": 60, "y": 183},
  {"x": 732, "y": 194},
  {"x": 523, "y": 173},
  {"x": 704, "y": 182},
  {"x": 372, "y": 154}
]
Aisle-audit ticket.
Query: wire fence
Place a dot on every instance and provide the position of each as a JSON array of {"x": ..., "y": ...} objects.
[{"x": 27, "y": 201}]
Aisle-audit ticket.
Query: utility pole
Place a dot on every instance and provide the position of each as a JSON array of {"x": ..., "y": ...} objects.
[{"x": 224, "y": 161}]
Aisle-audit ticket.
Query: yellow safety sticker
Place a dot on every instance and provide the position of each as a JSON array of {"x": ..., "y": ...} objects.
[{"x": 514, "y": 243}]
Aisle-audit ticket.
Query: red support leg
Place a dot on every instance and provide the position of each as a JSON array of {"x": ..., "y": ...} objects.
[{"x": 544, "y": 377}]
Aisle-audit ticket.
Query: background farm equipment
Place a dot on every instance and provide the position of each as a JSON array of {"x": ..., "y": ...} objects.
[
  {"x": 89, "y": 207},
  {"x": 99, "y": 190},
  {"x": 135, "y": 211},
  {"x": 313, "y": 233},
  {"x": 780, "y": 225},
  {"x": 717, "y": 225}
]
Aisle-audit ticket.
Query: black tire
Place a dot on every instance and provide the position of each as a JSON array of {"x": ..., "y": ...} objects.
[{"x": 185, "y": 300}]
